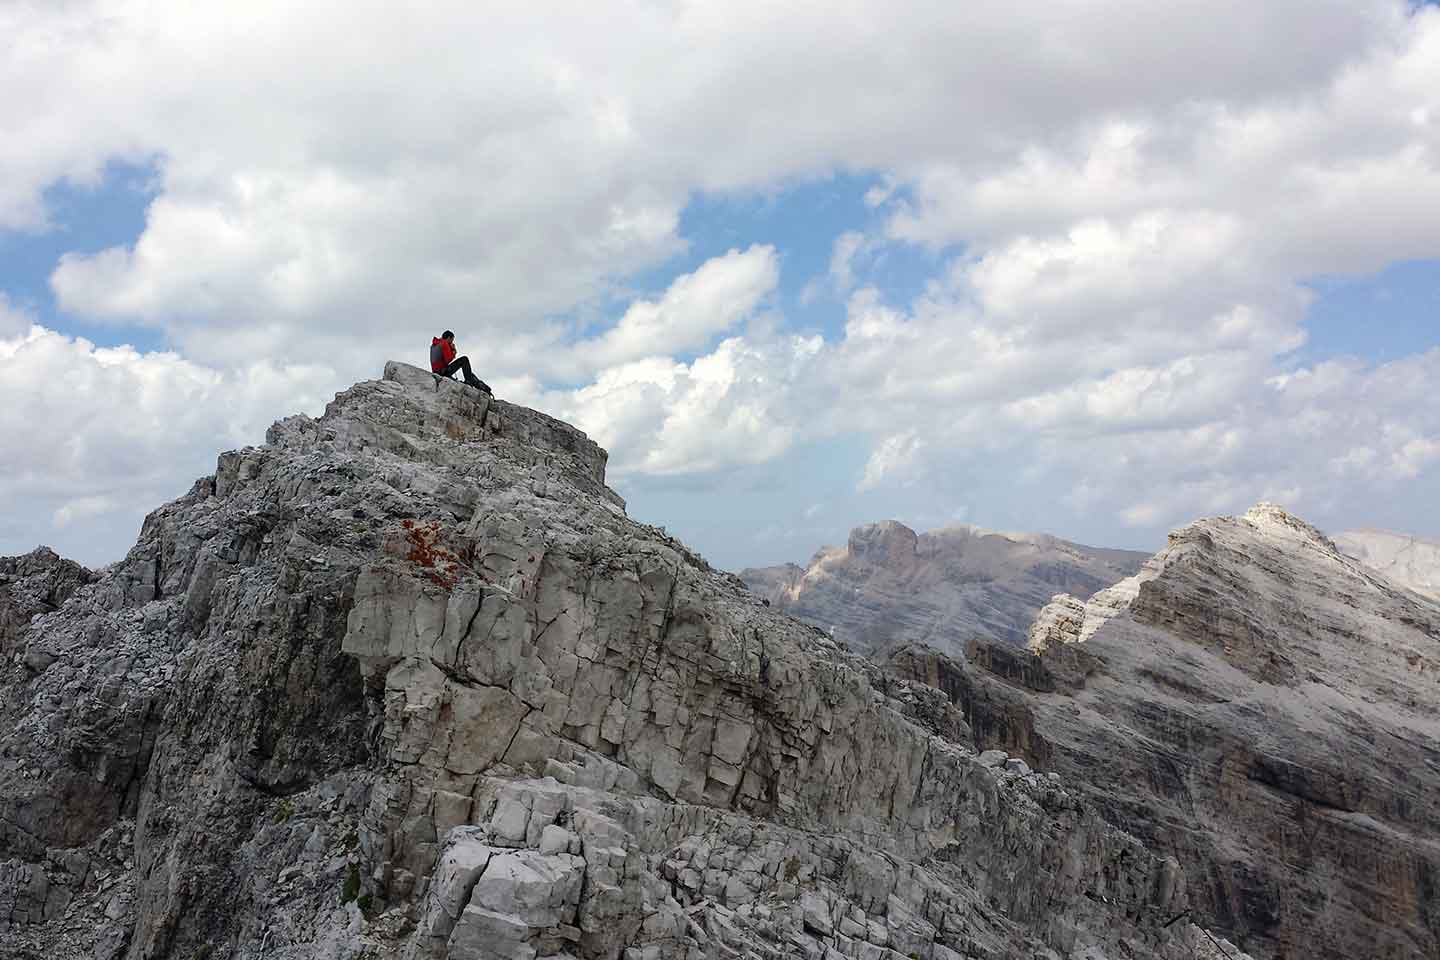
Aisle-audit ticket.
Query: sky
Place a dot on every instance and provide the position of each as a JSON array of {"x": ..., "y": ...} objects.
[{"x": 797, "y": 266}]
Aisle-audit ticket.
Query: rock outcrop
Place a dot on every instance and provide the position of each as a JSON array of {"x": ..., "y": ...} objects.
[
  {"x": 1255, "y": 704},
  {"x": 406, "y": 682},
  {"x": 38, "y": 582},
  {"x": 1409, "y": 561},
  {"x": 890, "y": 586}
]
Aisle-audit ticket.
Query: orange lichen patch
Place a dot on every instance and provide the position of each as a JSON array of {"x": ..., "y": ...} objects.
[{"x": 429, "y": 551}]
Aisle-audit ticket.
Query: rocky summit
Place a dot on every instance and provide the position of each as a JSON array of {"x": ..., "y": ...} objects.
[
  {"x": 889, "y": 586},
  {"x": 1259, "y": 706},
  {"x": 406, "y": 682}
]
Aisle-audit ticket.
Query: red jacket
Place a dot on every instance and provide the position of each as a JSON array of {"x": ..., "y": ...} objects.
[{"x": 441, "y": 353}]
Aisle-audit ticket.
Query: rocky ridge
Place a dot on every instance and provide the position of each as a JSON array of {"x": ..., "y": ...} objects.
[
  {"x": 889, "y": 586},
  {"x": 407, "y": 682},
  {"x": 1259, "y": 706}
]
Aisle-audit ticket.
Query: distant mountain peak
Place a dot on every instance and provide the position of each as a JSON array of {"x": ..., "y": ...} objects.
[
  {"x": 1410, "y": 561},
  {"x": 1255, "y": 703},
  {"x": 889, "y": 585},
  {"x": 888, "y": 543},
  {"x": 1069, "y": 619}
]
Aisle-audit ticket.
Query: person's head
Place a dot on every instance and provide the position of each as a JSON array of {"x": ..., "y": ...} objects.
[{"x": 448, "y": 335}]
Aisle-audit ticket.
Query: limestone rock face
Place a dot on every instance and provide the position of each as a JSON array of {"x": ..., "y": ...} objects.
[
  {"x": 1257, "y": 705},
  {"x": 406, "y": 683},
  {"x": 1409, "y": 561},
  {"x": 890, "y": 586}
]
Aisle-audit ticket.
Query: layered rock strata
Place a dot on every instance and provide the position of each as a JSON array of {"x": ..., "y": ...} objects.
[
  {"x": 889, "y": 586},
  {"x": 406, "y": 682},
  {"x": 1259, "y": 706}
]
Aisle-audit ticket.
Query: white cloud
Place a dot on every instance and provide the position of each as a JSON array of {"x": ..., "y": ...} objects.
[
  {"x": 893, "y": 459},
  {"x": 498, "y": 167},
  {"x": 82, "y": 508},
  {"x": 1135, "y": 222},
  {"x": 847, "y": 245},
  {"x": 712, "y": 300},
  {"x": 90, "y": 432},
  {"x": 1413, "y": 455},
  {"x": 735, "y": 405},
  {"x": 1318, "y": 440}
]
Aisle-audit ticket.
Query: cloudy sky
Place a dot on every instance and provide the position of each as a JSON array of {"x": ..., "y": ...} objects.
[{"x": 1094, "y": 268}]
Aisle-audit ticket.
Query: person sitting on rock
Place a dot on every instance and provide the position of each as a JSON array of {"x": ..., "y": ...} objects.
[{"x": 444, "y": 362}]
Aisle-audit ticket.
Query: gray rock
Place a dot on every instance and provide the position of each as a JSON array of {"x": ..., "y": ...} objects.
[
  {"x": 554, "y": 839},
  {"x": 993, "y": 758},
  {"x": 420, "y": 633},
  {"x": 489, "y": 935},
  {"x": 461, "y": 865},
  {"x": 1255, "y": 704},
  {"x": 30, "y": 586},
  {"x": 890, "y": 586},
  {"x": 540, "y": 890},
  {"x": 815, "y": 911}
]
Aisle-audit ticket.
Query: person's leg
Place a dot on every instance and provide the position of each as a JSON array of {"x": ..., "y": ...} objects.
[
  {"x": 458, "y": 363},
  {"x": 463, "y": 364}
]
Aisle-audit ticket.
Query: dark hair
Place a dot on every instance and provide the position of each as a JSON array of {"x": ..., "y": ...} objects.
[{"x": 448, "y": 335}]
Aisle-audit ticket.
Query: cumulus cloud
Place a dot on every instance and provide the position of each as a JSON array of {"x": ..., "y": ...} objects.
[
  {"x": 108, "y": 434},
  {"x": 82, "y": 508},
  {"x": 1125, "y": 230},
  {"x": 436, "y": 164},
  {"x": 713, "y": 299},
  {"x": 735, "y": 405},
  {"x": 892, "y": 459},
  {"x": 1318, "y": 439}
]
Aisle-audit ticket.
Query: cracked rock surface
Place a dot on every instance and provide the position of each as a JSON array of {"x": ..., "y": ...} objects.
[
  {"x": 1259, "y": 706},
  {"x": 406, "y": 683}
]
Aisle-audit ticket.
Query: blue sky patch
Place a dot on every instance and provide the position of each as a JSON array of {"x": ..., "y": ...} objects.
[
  {"x": 802, "y": 221},
  {"x": 83, "y": 219},
  {"x": 1379, "y": 318}
]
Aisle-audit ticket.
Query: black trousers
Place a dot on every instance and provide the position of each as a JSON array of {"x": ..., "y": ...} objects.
[{"x": 463, "y": 365}]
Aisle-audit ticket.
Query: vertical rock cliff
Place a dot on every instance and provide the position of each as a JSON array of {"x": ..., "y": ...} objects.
[{"x": 406, "y": 682}]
